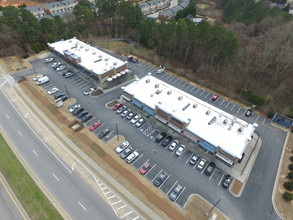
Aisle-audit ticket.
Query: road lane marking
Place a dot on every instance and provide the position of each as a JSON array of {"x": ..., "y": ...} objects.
[
  {"x": 196, "y": 91},
  {"x": 238, "y": 109},
  {"x": 137, "y": 159},
  {"x": 35, "y": 153},
  {"x": 121, "y": 207},
  {"x": 263, "y": 121},
  {"x": 188, "y": 86},
  {"x": 227, "y": 105},
  {"x": 212, "y": 174},
  {"x": 207, "y": 95},
  {"x": 104, "y": 188},
  {"x": 222, "y": 102},
  {"x": 73, "y": 166},
  {"x": 19, "y": 132},
  {"x": 55, "y": 176},
  {"x": 192, "y": 89},
  {"x": 256, "y": 118},
  {"x": 157, "y": 175},
  {"x": 202, "y": 93},
  {"x": 136, "y": 218},
  {"x": 126, "y": 214},
  {"x": 107, "y": 192},
  {"x": 82, "y": 206},
  {"x": 221, "y": 179},
  {"x": 26, "y": 115},
  {"x": 114, "y": 203},
  {"x": 232, "y": 107},
  {"x": 188, "y": 159},
  {"x": 111, "y": 197},
  {"x": 7, "y": 116}
]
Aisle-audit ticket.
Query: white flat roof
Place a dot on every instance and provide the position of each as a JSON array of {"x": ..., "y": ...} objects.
[
  {"x": 154, "y": 92},
  {"x": 93, "y": 59}
]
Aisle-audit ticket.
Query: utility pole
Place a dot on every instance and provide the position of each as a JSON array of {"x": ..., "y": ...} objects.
[
  {"x": 214, "y": 206},
  {"x": 117, "y": 132},
  {"x": 67, "y": 92}
]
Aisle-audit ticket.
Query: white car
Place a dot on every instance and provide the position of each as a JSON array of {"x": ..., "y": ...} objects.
[
  {"x": 54, "y": 65},
  {"x": 37, "y": 77},
  {"x": 201, "y": 164},
  {"x": 88, "y": 91},
  {"x": 61, "y": 67},
  {"x": 173, "y": 145},
  {"x": 53, "y": 91},
  {"x": 48, "y": 60},
  {"x": 180, "y": 150},
  {"x": 160, "y": 71},
  {"x": 135, "y": 119},
  {"x": 71, "y": 109},
  {"x": 132, "y": 157},
  {"x": 122, "y": 147}
]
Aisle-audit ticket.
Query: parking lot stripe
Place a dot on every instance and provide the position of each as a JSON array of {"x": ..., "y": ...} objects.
[
  {"x": 256, "y": 118},
  {"x": 107, "y": 192},
  {"x": 121, "y": 207},
  {"x": 188, "y": 159},
  {"x": 104, "y": 188},
  {"x": 192, "y": 89},
  {"x": 164, "y": 181},
  {"x": 137, "y": 159},
  {"x": 222, "y": 102},
  {"x": 115, "y": 202},
  {"x": 156, "y": 175},
  {"x": 126, "y": 214},
  {"x": 196, "y": 91},
  {"x": 221, "y": 179},
  {"x": 151, "y": 167},
  {"x": 143, "y": 164},
  {"x": 183, "y": 84},
  {"x": 238, "y": 109},
  {"x": 136, "y": 218},
  {"x": 188, "y": 86},
  {"x": 227, "y": 105},
  {"x": 172, "y": 187},
  {"x": 111, "y": 197},
  {"x": 168, "y": 76},
  {"x": 212, "y": 174},
  {"x": 263, "y": 121},
  {"x": 180, "y": 194},
  {"x": 202, "y": 93}
]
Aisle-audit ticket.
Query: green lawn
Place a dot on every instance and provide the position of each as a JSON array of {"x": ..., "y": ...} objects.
[{"x": 32, "y": 198}]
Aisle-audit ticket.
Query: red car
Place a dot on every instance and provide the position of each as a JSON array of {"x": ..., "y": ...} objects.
[
  {"x": 145, "y": 168},
  {"x": 118, "y": 105},
  {"x": 95, "y": 125},
  {"x": 215, "y": 97}
]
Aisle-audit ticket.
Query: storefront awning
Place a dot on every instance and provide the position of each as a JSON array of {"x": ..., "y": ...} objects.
[
  {"x": 148, "y": 110},
  {"x": 137, "y": 103},
  {"x": 207, "y": 146}
]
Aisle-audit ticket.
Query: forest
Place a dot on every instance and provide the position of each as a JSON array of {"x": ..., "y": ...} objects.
[{"x": 246, "y": 56}]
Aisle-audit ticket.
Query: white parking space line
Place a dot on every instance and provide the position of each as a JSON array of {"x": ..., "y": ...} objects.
[
  {"x": 136, "y": 218},
  {"x": 114, "y": 203},
  {"x": 238, "y": 109},
  {"x": 164, "y": 181},
  {"x": 172, "y": 187},
  {"x": 156, "y": 175},
  {"x": 188, "y": 159},
  {"x": 151, "y": 168},
  {"x": 111, "y": 197},
  {"x": 7, "y": 116},
  {"x": 227, "y": 105},
  {"x": 82, "y": 206},
  {"x": 176, "y": 80},
  {"x": 256, "y": 118},
  {"x": 104, "y": 188},
  {"x": 207, "y": 95},
  {"x": 121, "y": 207},
  {"x": 183, "y": 84},
  {"x": 126, "y": 214},
  {"x": 263, "y": 121},
  {"x": 180, "y": 194},
  {"x": 203, "y": 169},
  {"x": 232, "y": 107},
  {"x": 222, "y": 102},
  {"x": 137, "y": 159},
  {"x": 56, "y": 177},
  {"x": 192, "y": 89},
  {"x": 202, "y": 93},
  {"x": 221, "y": 179},
  {"x": 212, "y": 174},
  {"x": 35, "y": 153},
  {"x": 19, "y": 132},
  {"x": 180, "y": 82},
  {"x": 144, "y": 163},
  {"x": 107, "y": 192},
  {"x": 196, "y": 91},
  {"x": 168, "y": 76},
  {"x": 188, "y": 86}
]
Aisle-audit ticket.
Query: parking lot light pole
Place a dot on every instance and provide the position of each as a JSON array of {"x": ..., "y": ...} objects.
[
  {"x": 214, "y": 206},
  {"x": 117, "y": 132},
  {"x": 67, "y": 92}
]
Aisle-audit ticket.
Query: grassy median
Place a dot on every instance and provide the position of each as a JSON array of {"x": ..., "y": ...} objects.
[{"x": 29, "y": 194}]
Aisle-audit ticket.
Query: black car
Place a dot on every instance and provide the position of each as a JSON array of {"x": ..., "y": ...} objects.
[
  {"x": 86, "y": 118},
  {"x": 227, "y": 181},
  {"x": 80, "y": 115},
  {"x": 77, "y": 111},
  {"x": 210, "y": 168},
  {"x": 57, "y": 96},
  {"x": 160, "y": 179},
  {"x": 167, "y": 141},
  {"x": 64, "y": 98},
  {"x": 104, "y": 133},
  {"x": 248, "y": 113},
  {"x": 161, "y": 137}
]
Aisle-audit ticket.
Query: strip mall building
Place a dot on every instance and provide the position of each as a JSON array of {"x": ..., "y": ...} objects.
[{"x": 221, "y": 134}]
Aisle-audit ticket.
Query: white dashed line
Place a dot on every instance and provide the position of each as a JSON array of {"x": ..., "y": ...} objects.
[
  {"x": 114, "y": 203},
  {"x": 202, "y": 93},
  {"x": 35, "y": 153},
  {"x": 180, "y": 194},
  {"x": 137, "y": 159},
  {"x": 126, "y": 214},
  {"x": 104, "y": 188},
  {"x": 232, "y": 107},
  {"x": 19, "y": 132},
  {"x": 121, "y": 207},
  {"x": 56, "y": 177},
  {"x": 107, "y": 192},
  {"x": 188, "y": 159},
  {"x": 111, "y": 197},
  {"x": 164, "y": 181},
  {"x": 7, "y": 116},
  {"x": 136, "y": 218},
  {"x": 188, "y": 86},
  {"x": 192, "y": 89},
  {"x": 82, "y": 206}
]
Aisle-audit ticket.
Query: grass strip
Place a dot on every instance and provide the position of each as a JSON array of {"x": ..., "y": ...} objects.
[{"x": 29, "y": 194}]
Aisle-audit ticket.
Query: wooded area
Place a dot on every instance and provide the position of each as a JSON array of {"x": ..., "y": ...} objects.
[{"x": 249, "y": 57}]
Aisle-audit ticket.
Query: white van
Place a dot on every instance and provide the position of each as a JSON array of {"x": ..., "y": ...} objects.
[
  {"x": 131, "y": 157},
  {"x": 42, "y": 80}
]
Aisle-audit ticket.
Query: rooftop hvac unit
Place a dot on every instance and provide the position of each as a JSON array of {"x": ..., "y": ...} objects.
[
  {"x": 208, "y": 112},
  {"x": 93, "y": 53},
  {"x": 157, "y": 86},
  {"x": 158, "y": 91},
  {"x": 115, "y": 63},
  {"x": 70, "y": 41},
  {"x": 147, "y": 80},
  {"x": 106, "y": 59},
  {"x": 194, "y": 105},
  {"x": 86, "y": 49},
  {"x": 81, "y": 46},
  {"x": 225, "y": 121},
  {"x": 240, "y": 129},
  {"x": 169, "y": 92},
  {"x": 180, "y": 97},
  {"x": 100, "y": 56},
  {"x": 152, "y": 95}
]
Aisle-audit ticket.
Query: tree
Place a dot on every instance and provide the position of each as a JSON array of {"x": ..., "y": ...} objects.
[
  {"x": 288, "y": 196},
  {"x": 288, "y": 185},
  {"x": 107, "y": 8},
  {"x": 130, "y": 13},
  {"x": 84, "y": 16},
  {"x": 290, "y": 175}
]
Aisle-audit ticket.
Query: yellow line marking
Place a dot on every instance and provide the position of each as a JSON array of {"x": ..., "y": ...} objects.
[
  {"x": 3, "y": 132},
  {"x": 12, "y": 198}
]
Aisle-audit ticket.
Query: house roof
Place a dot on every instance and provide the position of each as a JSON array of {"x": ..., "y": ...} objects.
[
  {"x": 34, "y": 8},
  {"x": 189, "y": 109},
  {"x": 176, "y": 9},
  {"x": 167, "y": 13},
  {"x": 53, "y": 5}
]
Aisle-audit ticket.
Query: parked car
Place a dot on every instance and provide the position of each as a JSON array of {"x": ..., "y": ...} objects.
[
  {"x": 64, "y": 98},
  {"x": 131, "y": 59},
  {"x": 104, "y": 133},
  {"x": 201, "y": 164},
  {"x": 160, "y": 71},
  {"x": 130, "y": 116},
  {"x": 95, "y": 126},
  {"x": 175, "y": 193},
  {"x": 48, "y": 60},
  {"x": 88, "y": 91},
  {"x": 135, "y": 119},
  {"x": 215, "y": 97},
  {"x": 121, "y": 147},
  {"x": 167, "y": 141},
  {"x": 227, "y": 181},
  {"x": 86, "y": 118},
  {"x": 37, "y": 77},
  {"x": 119, "y": 110},
  {"x": 132, "y": 157},
  {"x": 173, "y": 145},
  {"x": 61, "y": 67},
  {"x": 145, "y": 168},
  {"x": 160, "y": 179},
  {"x": 160, "y": 137},
  {"x": 118, "y": 105},
  {"x": 126, "y": 152},
  {"x": 125, "y": 112},
  {"x": 248, "y": 113},
  {"x": 71, "y": 109},
  {"x": 69, "y": 74},
  {"x": 80, "y": 115},
  {"x": 55, "y": 65},
  {"x": 210, "y": 168},
  {"x": 180, "y": 150},
  {"x": 194, "y": 159},
  {"x": 57, "y": 96},
  {"x": 53, "y": 90},
  {"x": 77, "y": 111},
  {"x": 140, "y": 122}
]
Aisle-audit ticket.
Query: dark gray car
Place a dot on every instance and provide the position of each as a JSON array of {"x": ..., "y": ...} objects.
[
  {"x": 126, "y": 152},
  {"x": 160, "y": 179}
]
